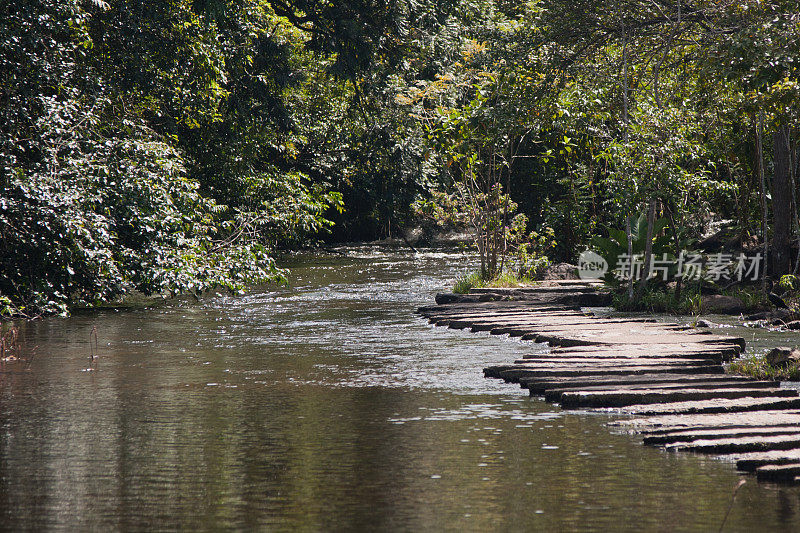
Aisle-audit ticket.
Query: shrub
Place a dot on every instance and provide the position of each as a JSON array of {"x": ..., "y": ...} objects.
[
  {"x": 468, "y": 281},
  {"x": 758, "y": 368}
]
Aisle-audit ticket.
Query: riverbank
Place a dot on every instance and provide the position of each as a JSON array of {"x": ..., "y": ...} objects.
[{"x": 746, "y": 299}]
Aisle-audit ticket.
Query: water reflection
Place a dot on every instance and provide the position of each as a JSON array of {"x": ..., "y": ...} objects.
[{"x": 327, "y": 405}]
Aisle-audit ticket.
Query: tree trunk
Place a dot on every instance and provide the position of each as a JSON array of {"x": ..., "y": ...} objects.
[
  {"x": 625, "y": 138},
  {"x": 676, "y": 240},
  {"x": 781, "y": 203},
  {"x": 648, "y": 249},
  {"x": 795, "y": 207},
  {"x": 628, "y": 223},
  {"x": 763, "y": 194},
  {"x": 625, "y": 84}
]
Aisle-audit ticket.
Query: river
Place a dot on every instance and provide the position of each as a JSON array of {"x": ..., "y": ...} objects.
[{"x": 328, "y": 405}]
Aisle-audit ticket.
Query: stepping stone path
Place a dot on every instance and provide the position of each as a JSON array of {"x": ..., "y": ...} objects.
[{"x": 666, "y": 381}]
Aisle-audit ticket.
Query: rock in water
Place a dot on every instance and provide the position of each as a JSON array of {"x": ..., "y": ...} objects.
[
  {"x": 783, "y": 356},
  {"x": 560, "y": 271},
  {"x": 726, "y": 305},
  {"x": 443, "y": 298}
]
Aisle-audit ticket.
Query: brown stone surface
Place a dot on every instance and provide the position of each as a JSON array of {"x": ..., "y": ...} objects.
[
  {"x": 560, "y": 271},
  {"x": 515, "y": 374},
  {"x": 757, "y": 443},
  {"x": 540, "y": 385},
  {"x": 662, "y": 379},
  {"x": 726, "y": 305},
  {"x": 672, "y": 422},
  {"x": 715, "y": 406},
  {"x": 750, "y": 461},
  {"x": 554, "y": 394},
  {"x": 602, "y": 362},
  {"x": 786, "y": 473},
  {"x": 718, "y": 433},
  {"x": 656, "y": 396},
  {"x": 782, "y": 356}
]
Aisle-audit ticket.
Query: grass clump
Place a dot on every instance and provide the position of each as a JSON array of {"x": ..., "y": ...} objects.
[
  {"x": 753, "y": 297},
  {"x": 506, "y": 279},
  {"x": 659, "y": 301},
  {"x": 467, "y": 282},
  {"x": 757, "y": 367}
]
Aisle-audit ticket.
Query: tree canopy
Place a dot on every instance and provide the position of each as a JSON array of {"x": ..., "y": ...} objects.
[{"x": 166, "y": 147}]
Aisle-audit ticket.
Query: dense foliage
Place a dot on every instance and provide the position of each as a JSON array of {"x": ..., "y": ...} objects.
[
  {"x": 165, "y": 147},
  {"x": 147, "y": 147}
]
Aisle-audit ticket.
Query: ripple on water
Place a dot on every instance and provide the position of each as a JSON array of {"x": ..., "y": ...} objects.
[
  {"x": 485, "y": 411},
  {"x": 326, "y": 405}
]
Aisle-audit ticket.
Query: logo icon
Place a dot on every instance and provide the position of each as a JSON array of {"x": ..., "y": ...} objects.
[{"x": 591, "y": 266}]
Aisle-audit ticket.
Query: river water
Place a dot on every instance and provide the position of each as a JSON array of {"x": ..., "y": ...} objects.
[{"x": 328, "y": 405}]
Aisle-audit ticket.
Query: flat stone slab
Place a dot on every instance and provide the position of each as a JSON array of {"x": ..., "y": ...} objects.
[
  {"x": 715, "y": 406},
  {"x": 616, "y": 339},
  {"x": 672, "y": 422},
  {"x": 550, "y": 319},
  {"x": 527, "y": 319},
  {"x": 716, "y": 351},
  {"x": 739, "y": 444},
  {"x": 589, "y": 324},
  {"x": 622, "y": 355},
  {"x": 633, "y": 347},
  {"x": 610, "y": 361},
  {"x": 522, "y": 328},
  {"x": 489, "y": 307},
  {"x": 581, "y": 296},
  {"x": 749, "y": 462},
  {"x": 600, "y": 365},
  {"x": 659, "y": 366},
  {"x": 554, "y": 394},
  {"x": 540, "y": 385},
  {"x": 554, "y": 340},
  {"x": 515, "y": 375},
  {"x": 511, "y": 315},
  {"x": 476, "y": 325},
  {"x": 666, "y": 379},
  {"x": 656, "y": 396},
  {"x": 723, "y": 433},
  {"x": 575, "y": 287},
  {"x": 512, "y": 312},
  {"x": 786, "y": 473}
]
